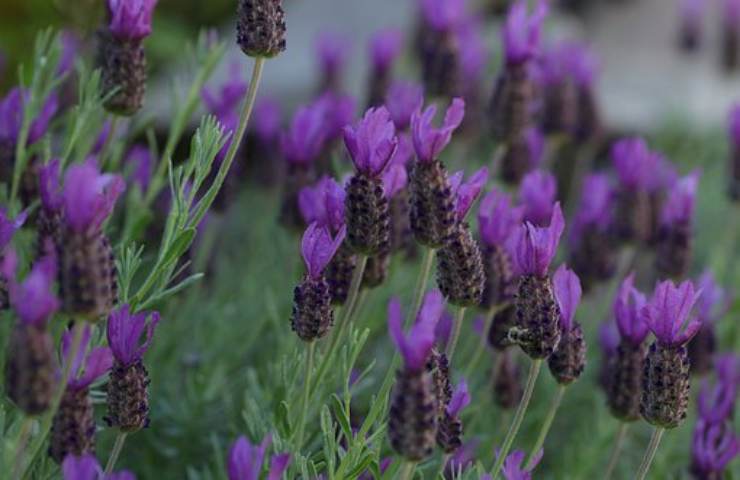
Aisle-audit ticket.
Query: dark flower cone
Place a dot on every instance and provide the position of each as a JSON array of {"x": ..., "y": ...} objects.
[
  {"x": 560, "y": 109},
  {"x": 73, "y": 427},
  {"x": 439, "y": 367},
  {"x": 537, "y": 330},
  {"x": 30, "y": 370},
  {"x": 507, "y": 381},
  {"x": 312, "y": 313},
  {"x": 499, "y": 287},
  {"x": 734, "y": 188},
  {"x": 625, "y": 384},
  {"x": 378, "y": 87},
  {"x": 503, "y": 321},
  {"x": 665, "y": 386},
  {"x": 339, "y": 274},
  {"x": 674, "y": 251},
  {"x": 49, "y": 228},
  {"x": 604, "y": 376},
  {"x": 368, "y": 219},
  {"x": 440, "y": 64},
  {"x": 29, "y": 184},
  {"x": 588, "y": 125},
  {"x": 432, "y": 204},
  {"x": 128, "y": 399},
  {"x": 702, "y": 349},
  {"x": 730, "y": 52},
  {"x": 88, "y": 283},
  {"x": 460, "y": 273},
  {"x": 449, "y": 433},
  {"x": 376, "y": 270},
  {"x": 402, "y": 238},
  {"x": 515, "y": 162},
  {"x": 297, "y": 177},
  {"x": 633, "y": 218},
  {"x": 510, "y": 108},
  {"x": 123, "y": 67},
  {"x": 595, "y": 258},
  {"x": 412, "y": 423},
  {"x": 260, "y": 27},
  {"x": 569, "y": 359}
]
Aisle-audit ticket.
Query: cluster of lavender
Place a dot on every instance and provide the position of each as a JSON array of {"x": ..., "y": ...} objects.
[{"x": 692, "y": 26}]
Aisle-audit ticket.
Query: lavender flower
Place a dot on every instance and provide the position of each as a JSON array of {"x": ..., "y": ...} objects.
[
  {"x": 713, "y": 447},
  {"x": 628, "y": 307},
  {"x": 537, "y": 194},
  {"x": 323, "y": 203},
  {"x": 429, "y": 141},
  {"x": 332, "y": 50},
  {"x": 245, "y": 461},
  {"x": 595, "y": 208},
  {"x": 467, "y": 192},
  {"x": 521, "y": 33},
  {"x": 260, "y": 27},
  {"x": 679, "y": 208},
  {"x": 267, "y": 119},
  {"x": 86, "y": 467},
  {"x": 12, "y": 109},
  {"x": 512, "y": 468},
  {"x": 372, "y": 142},
  {"x": 403, "y": 100},
  {"x": 131, "y": 19},
  {"x": 318, "y": 247},
  {"x": 385, "y": 46},
  {"x": 498, "y": 218},
  {"x": 569, "y": 359},
  {"x": 33, "y": 299},
  {"x": 443, "y": 15},
  {"x": 89, "y": 196},
  {"x": 305, "y": 137},
  {"x": 124, "y": 332},
  {"x": 667, "y": 313},
  {"x": 417, "y": 343},
  {"x": 8, "y": 227},
  {"x": 716, "y": 403},
  {"x": 140, "y": 161},
  {"x": 450, "y": 429},
  {"x": 536, "y": 246},
  {"x": 567, "y": 290},
  {"x": 632, "y": 162}
]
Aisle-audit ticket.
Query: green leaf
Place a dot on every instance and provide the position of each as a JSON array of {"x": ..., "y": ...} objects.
[{"x": 341, "y": 417}]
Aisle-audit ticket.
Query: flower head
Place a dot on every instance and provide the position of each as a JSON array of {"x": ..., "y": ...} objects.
[
  {"x": 267, "y": 119},
  {"x": 467, "y": 192},
  {"x": 333, "y": 50},
  {"x": 8, "y": 227},
  {"x": 385, "y": 46},
  {"x": 537, "y": 194},
  {"x": 141, "y": 164},
  {"x": 443, "y": 15},
  {"x": 513, "y": 469},
  {"x": 417, "y": 343},
  {"x": 86, "y": 467},
  {"x": 535, "y": 140},
  {"x": 402, "y": 100},
  {"x": 667, "y": 313},
  {"x": 49, "y": 189},
  {"x": 395, "y": 177},
  {"x": 372, "y": 141},
  {"x": 278, "y": 464},
  {"x": 662, "y": 174},
  {"x": 33, "y": 299},
  {"x": 714, "y": 300},
  {"x": 12, "y": 109},
  {"x": 713, "y": 447},
  {"x": 323, "y": 203},
  {"x": 305, "y": 137},
  {"x": 318, "y": 247},
  {"x": 473, "y": 50},
  {"x": 521, "y": 33},
  {"x": 628, "y": 306},
  {"x": 679, "y": 206},
  {"x": 429, "y": 141},
  {"x": 584, "y": 65},
  {"x": 633, "y": 161},
  {"x": 87, "y": 366},
  {"x": 89, "y": 196},
  {"x": 734, "y": 125},
  {"x": 535, "y": 247},
  {"x": 245, "y": 460},
  {"x": 595, "y": 207},
  {"x": 716, "y": 402},
  {"x": 131, "y": 19},
  {"x": 498, "y": 218},
  {"x": 567, "y": 289},
  {"x": 340, "y": 112},
  {"x": 124, "y": 333},
  {"x": 460, "y": 399},
  {"x": 608, "y": 337}
]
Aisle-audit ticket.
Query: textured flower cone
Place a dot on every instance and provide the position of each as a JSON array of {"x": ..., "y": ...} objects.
[
  {"x": 589, "y": 120},
  {"x": 376, "y": 270},
  {"x": 73, "y": 427},
  {"x": 412, "y": 424},
  {"x": 701, "y": 350},
  {"x": 312, "y": 314},
  {"x": 379, "y": 82},
  {"x": 730, "y": 53},
  {"x": 368, "y": 219},
  {"x": 88, "y": 283},
  {"x": 339, "y": 274},
  {"x": 440, "y": 64},
  {"x": 665, "y": 386},
  {"x": 29, "y": 184},
  {"x": 595, "y": 259},
  {"x": 674, "y": 251},
  {"x": 460, "y": 273},
  {"x": 401, "y": 235},
  {"x": 297, "y": 177},
  {"x": 49, "y": 226},
  {"x": 499, "y": 286},
  {"x": 537, "y": 330},
  {"x": 503, "y": 321},
  {"x": 432, "y": 204},
  {"x": 561, "y": 108},
  {"x": 260, "y": 27},
  {"x": 30, "y": 370},
  {"x": 515, "y": 163},
  {"x": 507, "y": 382},
  {"x": 128, "y": 399},
  {"x": 633, "y": 217},
  {"x": 449, "y": 433},
  {"x": 569, "y": 359},
  {"x": 510, "y": 108},
  {"x": 625, "y": 384},
  {"x": 439, "y": 367},
  {"x": 123, "y": 67},
  {"x": 734, "y": 188}
]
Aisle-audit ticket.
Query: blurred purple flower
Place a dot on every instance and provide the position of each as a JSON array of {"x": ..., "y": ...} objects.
[
  {"x": 323, "y": 202},
  {"x": 385, "y": 46},
  {"x": 141, "y": 163},
  {"x": 307, "y": 133},
  {"x": 513, "y": 469},
  {"x": 8, "y": 227},
  {"x": 372, "y": 141},
  {"x": 713, "y": 447},
  {"x": 71, "y": 46},
  {"x": 340, "y": 112},
  {"x": 567, "y": 289},
  {"x": 465, "y": 193},
  {"x": 245, "y": 460},
  {"x": 49, "y": 189},
  {"x": 595, "y": 206},
  {"x": 608, "y": 337},
  {"x": 403, "y": 99},
  {"x": 498, "y": 219},
  {"x": 679, "y": 206},
  {"x": 714, "y": 300},
  {"x": 124, "y": 333},
  {"x": 430, "y": 141},
  {"x": 535, "y": 247},
  {"x": 632, "y": 162},
  {"x": 131, "y": 19},
  {"x": 333, "y": 50},
  {"x": 278, "y": 465},
  {"x": 86, "y": 467},
  {"x": 318, "y": 247},
  {"x": 537, "y": 194},
  {"x": 473, "y": 50},
  {"x": 89, "y": 196},
  {"x": 463, "y": 458},
  {"x": 11, "y": 116},
  {"x": 267, "y": 119},
  {"x": 443, "y": 15},
  {"x": 417, "y": 343},
  {"x": 662, "y": 174},
  {"x": 628, "y": 307},
  {"x": 443, "y": 330},
  {"x": 521, "y": 33},
  {"x": 33, "y": 299},
  {"x": 460, "y": 399},
  {"x": 584, "y": 64},
  {"x": 87, "y": 366},
  {"x": 667, "y": 313}
]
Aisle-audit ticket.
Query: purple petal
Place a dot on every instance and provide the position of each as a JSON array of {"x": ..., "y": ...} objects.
[
  {"x": 372, "y": 141},
  {"x": 402, "y": 100},
  {"x": 497, "y": 218},
  {"x": 318, "y": 247},
  {"x": 89, "y": 197},
  {"x": 567, "y": 288},
  {"x": 537, "y": 194},
  {"x": 34, "y": 299},
  {"x": 245, "y": 460},
  {"x": 467, "y": 192},
  {"x": 628, "y": 306},
  {"x": 125, "y": 331},
  {"x": 49, "y": 188},
  {"x": 85, "y": 467},
  {"x": 131, "y": 19},
  {"x": 98, "y": 362},
  {"x": 278, "y": 465},
  {"x": 416, "y": 345},
  {"x": 681, "y": 201},
  {"x": 520, "y": 33},
  {"x": 429, "y": 141},
  {"x": 460, "y": 399},
  {"x": 385, "y": 46}
]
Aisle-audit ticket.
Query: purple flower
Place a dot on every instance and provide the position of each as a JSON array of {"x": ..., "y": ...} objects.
[
  {"x": 305, "y": 138},
  {"x": 267, "y": 119},
  {"x": 125, "y": 330},
  {"x": 323, "y": 203},
  {"x": 141, "y": 166},
  {"x": 429, "y": 141},
  {"x": 473, "y": 50},
  {"x": 402, "y": 100},
  {"x": 628, "y": 306},
  {"x": 416, "y": 345},
  {"x": 8, "y": 227},
  {"x": 395, "y": 179},
  {"x": 595, "y": 207},
  {"x": 49, "y": 189},
  {"x": 87, "y": 366},
  {"x": 443, "y": 15},
  {"x": 498, "y": 218},
  {"x": 567, "y": 289},
  {"x": 224, "y": 102},
  {"x": 712, "y": 448},
  {"x": 632, "y": 161},
  {"x": 86, "y": 467},
  {"x": 385, "y": 46},
  {"x": 278, "y": 465},
  {"x": 679, "y": 206},
  {"x": 727, "y": 366},
  {"x": 245, "y": 460},
  {"x": 89, "y": 196},
  {"x": 443, "y": 330},
  {"x": 11, "y": 116},
  {"x": 332, "y": 49},
  {"x": 584, "y": 65},
  {"x": 715, "y": 403},
  {"x": 536, "y": 145},
  {"x": 460, "y": 399},
  {"x": 340, "y": 112},
  {"x": 554, "y": 64},
  {"x": 465, "y": 193},
  {"x": 535, "y": 247},
  {"x": 71, "y": 46},
  {"x": 372, "y": 141},
  {"x": 131, "y": 19},
  {"x": 102, "y": 139},
  {"x": 537, "y": 194},
  {"x": 521, "y": 33},
  {"x": 734, "y": 125},
  {"x": 463, "y": 457},
  {"x": 731, "y": 13},
  {"x": 513, "y": 469},
  {"x": 668, "y": 311},
  {"x": 714, "y": 300},
  {"x": 318, "y": 247},
  {"x": 608, "y": 337},
  {"x": 662, "y": 174},
  {"x": 33, "y": 299}
]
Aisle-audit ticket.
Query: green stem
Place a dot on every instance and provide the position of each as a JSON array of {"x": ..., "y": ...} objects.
[
  {"x": 306, "y": 392},
  {"x": 109, "y": 140},
  {"x": 117, "y": 447},
  {"x": 456, "y": 328},
  {"x": 554, "y": 405},
  {"x": 442, "y": 465},
  {"x": 721, "y": 260},
  {"x": 478, "y": 354},
  {"x": 534, "y": 371},
  {"x": 421, "y": 282},
  {"x": 407, "y": 471},
  {"x": 621, "y": 434},
  {"x": 650, "y": 453},
  {"x": 20, "y": 445}
]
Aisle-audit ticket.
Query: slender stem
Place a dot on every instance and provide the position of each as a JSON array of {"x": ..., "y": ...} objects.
[
  {"x": 618, "y": 442},
  {"x": 554, "y": 405},
  {"x": 456, "y": 328},
  {"x": 421, "y": 282},
  {"x": 475, "y": 359},
  {"x": 534, "y": 371},
  {"x": 306, "y": 392},
  {"x": 114, "y": 454},
  {"x": 20, "y": 445},
  {"x": 354, "y": 289},
  {"x": 407, "y": 471},
  {"x": 650, "y": 453}
]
